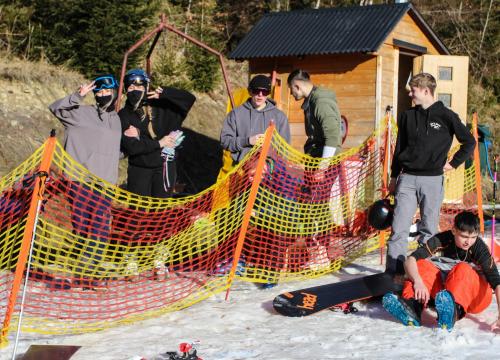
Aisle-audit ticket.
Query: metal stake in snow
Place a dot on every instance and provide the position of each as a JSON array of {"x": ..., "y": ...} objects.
[
  {"x": 26, "y": 277},
  {"x": 493, "y": 218}
]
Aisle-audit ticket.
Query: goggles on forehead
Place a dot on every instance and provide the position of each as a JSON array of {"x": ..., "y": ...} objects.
[{"x": 105, "y": 82}]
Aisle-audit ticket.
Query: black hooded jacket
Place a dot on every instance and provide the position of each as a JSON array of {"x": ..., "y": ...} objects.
[
  {"x": 168, "y": 113},
  {"x": 424, "y": 140}
]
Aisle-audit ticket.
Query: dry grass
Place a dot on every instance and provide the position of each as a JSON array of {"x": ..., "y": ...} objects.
[{"x": 26, "y": 72}]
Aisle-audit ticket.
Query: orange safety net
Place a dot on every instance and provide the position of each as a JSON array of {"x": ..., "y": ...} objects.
[{"x": 102, "y": 256}]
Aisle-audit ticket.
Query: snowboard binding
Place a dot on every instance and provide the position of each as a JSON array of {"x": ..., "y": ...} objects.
[{"x": 346, "y": 308}]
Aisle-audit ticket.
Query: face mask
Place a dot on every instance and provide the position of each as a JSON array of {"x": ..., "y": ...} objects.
[
  {"x": 135, "y": 97},
  {"x": 104, "y": 102}
]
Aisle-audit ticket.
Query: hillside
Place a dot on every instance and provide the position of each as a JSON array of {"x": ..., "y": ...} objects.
[{"x": 29, "y": 87}]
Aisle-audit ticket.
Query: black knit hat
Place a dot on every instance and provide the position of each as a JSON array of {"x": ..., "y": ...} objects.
[{"x": 260, "y": 82}]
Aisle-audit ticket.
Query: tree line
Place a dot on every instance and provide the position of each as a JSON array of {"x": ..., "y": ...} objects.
[{"x": 91, "y": 36}]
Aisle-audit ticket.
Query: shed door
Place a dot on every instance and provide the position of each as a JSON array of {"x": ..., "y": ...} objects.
[{"x": 451, "y": 73}]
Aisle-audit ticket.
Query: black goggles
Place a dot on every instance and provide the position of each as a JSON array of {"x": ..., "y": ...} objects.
[
  {"x": 104, "y": 82},
  {"x": 137, "y": 80}
]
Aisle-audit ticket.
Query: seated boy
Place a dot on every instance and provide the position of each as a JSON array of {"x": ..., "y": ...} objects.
[{"x": 455, "y": 268}]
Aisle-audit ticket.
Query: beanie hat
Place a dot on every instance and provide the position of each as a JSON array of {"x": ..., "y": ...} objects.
[{"x": 260, "y": 82}]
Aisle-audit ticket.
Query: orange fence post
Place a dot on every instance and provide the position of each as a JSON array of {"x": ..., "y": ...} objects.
[
  {"x": 38, "y": 190},
  {"x": 251, "y": 200},
  {"x": 477, "y": 171}
]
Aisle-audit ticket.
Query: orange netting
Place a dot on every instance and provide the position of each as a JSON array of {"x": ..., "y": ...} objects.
[{"x": 103, "y": 256}]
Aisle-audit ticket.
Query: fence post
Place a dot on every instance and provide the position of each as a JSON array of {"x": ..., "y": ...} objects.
[
  {"x": 251, "y": 200},
  {"x": 29, "y": 229},
  {"x": 477, "y": 172}
]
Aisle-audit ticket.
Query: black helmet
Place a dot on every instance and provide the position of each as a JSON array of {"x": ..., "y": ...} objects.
[{"x": 380, "y": 214}]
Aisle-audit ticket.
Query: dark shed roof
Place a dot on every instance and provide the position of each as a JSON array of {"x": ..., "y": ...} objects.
[{"x": 340, "y": 30}]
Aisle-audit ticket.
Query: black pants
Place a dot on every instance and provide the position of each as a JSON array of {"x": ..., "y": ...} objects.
[{"x": 150, "y": 182}]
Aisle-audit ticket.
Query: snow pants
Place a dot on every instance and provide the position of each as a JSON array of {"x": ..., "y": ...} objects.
[{"x": 469, "y": 289}]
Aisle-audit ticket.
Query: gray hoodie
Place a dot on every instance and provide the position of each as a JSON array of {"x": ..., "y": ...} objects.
[
  {"x": 246, "y": 121},
  {"x": 92, "y": 140}
]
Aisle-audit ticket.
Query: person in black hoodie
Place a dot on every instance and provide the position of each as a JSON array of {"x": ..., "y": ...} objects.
[
  {"x": 425, "y": 135},
  {"x": 151, "y": 121}
]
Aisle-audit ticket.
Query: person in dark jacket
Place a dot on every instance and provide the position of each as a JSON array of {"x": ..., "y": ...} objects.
[
  {"x": 425, "y": 135},
  {"x": 151, "y": 122},
  {"x": 246, "y": 124},
  {"x": 456, "y": 269}
]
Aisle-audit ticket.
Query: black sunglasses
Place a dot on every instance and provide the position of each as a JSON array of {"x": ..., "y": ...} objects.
[{"x": 264, "y": 92}]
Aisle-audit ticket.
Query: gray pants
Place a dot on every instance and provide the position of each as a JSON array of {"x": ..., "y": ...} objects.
[{"x": 427, "y": 193}]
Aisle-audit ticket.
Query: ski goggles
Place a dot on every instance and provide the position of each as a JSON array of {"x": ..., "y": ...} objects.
[
  {"x": 105, "y": 82},
  {"x": 137, "y": 80}
]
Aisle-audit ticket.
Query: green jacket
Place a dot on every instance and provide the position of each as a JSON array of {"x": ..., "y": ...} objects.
[{"x": 322, "y": 121}]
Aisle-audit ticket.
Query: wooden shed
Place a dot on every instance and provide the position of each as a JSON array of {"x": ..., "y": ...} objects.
[{"x": 366, "y": 54}]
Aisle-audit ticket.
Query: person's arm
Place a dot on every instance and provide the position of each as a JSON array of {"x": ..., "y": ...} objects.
[
  {"x": 65, "y": 109},
  {"x": 411, "y": 269},
  {"x": 466, "y": 140},
  {"x": 496, "y": 325},
  {"x": 138, "y": 146},
  {"x": 182, "y": 100},
  {"x": 229, "y": 138},
  {"x": 481, "y": 256},
  {"x": 421, "y": 292},
  {"x": 328, "y": 115}
]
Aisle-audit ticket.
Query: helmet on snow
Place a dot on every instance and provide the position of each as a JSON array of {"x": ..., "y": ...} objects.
[
  {"x": 380, "y": 214},
  {"x": 136, "y": 77}
]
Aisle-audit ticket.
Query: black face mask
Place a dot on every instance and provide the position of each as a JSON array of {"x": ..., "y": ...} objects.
[
  {"x": 104, "y": 102},
  {"x": 135, "y": 98}
]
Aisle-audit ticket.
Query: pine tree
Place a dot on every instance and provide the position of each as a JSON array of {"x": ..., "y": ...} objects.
[{"x": 92, "y": 35}]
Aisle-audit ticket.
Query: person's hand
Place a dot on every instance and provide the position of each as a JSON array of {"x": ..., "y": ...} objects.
[
  {"x": 254, "y": 139},
  {"x": 167, "y": 141},
  {"x": 495, "y": 327},
  {"x": 85, "y": 89},
  {"x": 155, "y": 94},
  {"x": 391, "y": 188},
  {"x": 447, "y": 166},
  {"x": 132, "y": 131},
  {"x": 421, "y": 292}
]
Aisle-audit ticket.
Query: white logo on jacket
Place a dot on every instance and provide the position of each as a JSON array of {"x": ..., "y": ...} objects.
[{"x": 435, "y": 125}]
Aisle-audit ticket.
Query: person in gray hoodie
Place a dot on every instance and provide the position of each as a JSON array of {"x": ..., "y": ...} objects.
[
  {"x": 92, "y": 137},
  {"x": 247, "y": 123}
]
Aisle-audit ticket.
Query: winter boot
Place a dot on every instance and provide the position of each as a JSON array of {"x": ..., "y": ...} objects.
[
  {"x": 408, "y": 311},
  {"x": 448, "y": 310}
]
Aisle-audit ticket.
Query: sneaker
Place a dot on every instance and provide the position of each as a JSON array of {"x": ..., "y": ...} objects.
[
  {"x": 448, "y": 311},
  {"x": 408, "y": 311}
]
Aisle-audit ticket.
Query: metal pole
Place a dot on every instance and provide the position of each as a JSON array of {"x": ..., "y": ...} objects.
[{"x": 26, "y": 277}]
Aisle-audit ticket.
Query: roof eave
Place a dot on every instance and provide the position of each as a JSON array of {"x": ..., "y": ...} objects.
[{"x": 428, "y": 30}]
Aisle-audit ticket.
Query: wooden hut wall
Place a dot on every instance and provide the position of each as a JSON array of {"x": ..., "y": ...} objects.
[{"x": 352, "y": 77}]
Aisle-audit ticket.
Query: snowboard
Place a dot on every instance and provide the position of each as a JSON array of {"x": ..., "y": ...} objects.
[{"x": 308, "y": 301}]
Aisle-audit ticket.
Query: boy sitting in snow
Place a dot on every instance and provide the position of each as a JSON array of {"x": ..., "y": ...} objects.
[{"x": 455, "y": 268}]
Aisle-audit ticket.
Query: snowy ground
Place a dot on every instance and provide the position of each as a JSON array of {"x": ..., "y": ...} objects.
[{"x": 246, "y": 327}]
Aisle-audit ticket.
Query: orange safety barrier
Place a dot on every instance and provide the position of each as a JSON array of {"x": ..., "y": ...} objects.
[{"x": 102, "y": 256}]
